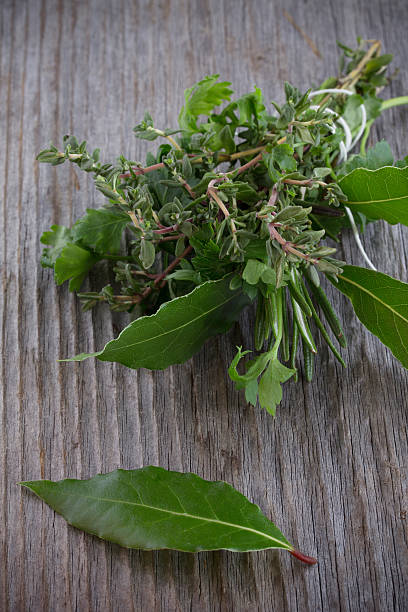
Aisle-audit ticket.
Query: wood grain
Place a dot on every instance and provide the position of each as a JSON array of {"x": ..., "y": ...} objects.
[{"x": 331, "y": 470}]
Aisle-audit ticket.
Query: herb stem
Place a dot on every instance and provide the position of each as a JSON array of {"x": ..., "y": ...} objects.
[
  {"x": 135, "y": 221},
  {"x": 173, "y": 142},
  {"x": 287, "y": 246},
  {"x": 212, "y": 192},
  {"x": 168, "y": 238},
  {"x": 171, "y": 266},
  {"x": 273, "y": 351},
  {"x": 196, "y": 160},
  {"x": 355, "y": 74},
  {"x": 399, "y": 101}
]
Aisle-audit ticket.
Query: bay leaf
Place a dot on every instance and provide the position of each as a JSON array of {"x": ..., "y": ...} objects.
[
  {"x": 152, "y": 508},
  {"x": 177, "y": 330},
  {"x": 381, "y": 304}
]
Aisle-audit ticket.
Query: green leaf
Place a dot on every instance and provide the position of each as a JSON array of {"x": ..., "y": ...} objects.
[
  {"x": 378, "y": 62},
  {"x": 177, "y": 330},
  {"x": 101, "y": 229},
  {"x": 201, "y": 100},
  {"x": 207, "y": 259},
  {"x": 73, "y": 263},
  {"x": 145, "y": 129},
  {"x": 282, "y": 155},
  {"x": 270, "y": 390},
  {"x": 381, "y": 304},
  {"x": 250, "y": 107},
  {"x": 253, "y": 271},
  {"x": 377, "y": 156},
  {"x": 147, "y": 253},
  {"x": 152, "y": 508},
  {"x": 378, "y": 194},
  {"x": 352, "y": 111},
  {"x": 56, "y": 239}
]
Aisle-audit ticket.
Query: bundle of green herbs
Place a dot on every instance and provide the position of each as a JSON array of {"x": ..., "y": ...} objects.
[{"x": 235, "y": 207}]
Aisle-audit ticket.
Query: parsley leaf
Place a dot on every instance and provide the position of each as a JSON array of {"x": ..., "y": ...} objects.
[
  {"x": 201, "y": 99},
  {"x": 56, "y": 239},
  {"x": 73, "y": 263},
  {"x": 101, "y": 229}
]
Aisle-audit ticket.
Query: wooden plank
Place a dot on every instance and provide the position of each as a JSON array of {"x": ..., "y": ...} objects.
[{"x": 330, "y": 470}]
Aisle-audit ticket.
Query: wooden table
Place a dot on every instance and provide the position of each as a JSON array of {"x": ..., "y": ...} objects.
[{"x": 330, "y": 470}]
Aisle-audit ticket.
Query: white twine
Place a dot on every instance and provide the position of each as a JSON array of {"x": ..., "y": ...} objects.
[{"x": 345, "y": 148}]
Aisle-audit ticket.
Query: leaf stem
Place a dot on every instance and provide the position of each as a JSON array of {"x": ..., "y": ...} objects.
[
  {"x": 173, "y": 142},
  {"x": 212, "y": 192},
  {"x": 302, "y": 557},
  {"x": 278, "y": 331},
  {"x": 391, "y": 102}
]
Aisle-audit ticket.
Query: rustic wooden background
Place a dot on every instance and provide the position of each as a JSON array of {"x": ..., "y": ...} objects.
[{"x": 330, "y": 470}]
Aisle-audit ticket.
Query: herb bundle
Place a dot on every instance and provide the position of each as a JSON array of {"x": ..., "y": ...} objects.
[{"x": 235, "y": 207}]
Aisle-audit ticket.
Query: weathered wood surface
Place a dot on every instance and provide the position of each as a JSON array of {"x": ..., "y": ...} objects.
[{"x": 330, "y": 470}]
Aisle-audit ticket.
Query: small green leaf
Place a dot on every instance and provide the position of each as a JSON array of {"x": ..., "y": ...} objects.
[
  {"x": 378, "y": 194},
  {"x": 270, "y": 390},
  {"x": 201, "y": 100},
  {"x": 352, "y": 111},
  {"x": 282, "y": 155},
  {"x": 73, "y": 263},
  {"x": 147, "y": 253},
  {"x": 177, "y": 330},
  {"x": 253, "y": 271},
  {"x": 101, "y": 229},
  {"x": 152, "y": 508},
  {"x": 145, "y": 129},
  {"x": 56, "y": 239},
  {"x": 381, "y": 304}
]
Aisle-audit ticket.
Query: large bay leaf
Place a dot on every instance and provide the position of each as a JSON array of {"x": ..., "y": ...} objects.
[
  {"x": 381, "y": 304},
  {"x": 152, "y": 508},
  {"x": 177, "y": 330},
  {"x": 378, "y": 194}
]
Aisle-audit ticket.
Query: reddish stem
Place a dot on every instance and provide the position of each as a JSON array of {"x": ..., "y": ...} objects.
[
  {"x": 166, "y": 230},
  {"x": 188, "y": 188},
  {"x": 251, "y": 163},
  {"x": 138, "y": 171},
  {"x": 170, "y": 228},
  {"x": 167, "y": 238},
  {"x": 274, "y": 196},
  {"x": 288, "y": 246},
  {"x": 173, "y": 264},
  {"x": 302, "y": 557}
]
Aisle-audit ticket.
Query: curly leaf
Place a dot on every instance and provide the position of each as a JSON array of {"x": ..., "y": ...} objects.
[
  {"x": 381, "y": 304},
  {"x": 56, "y": 239},
  {"x": 270, "y": 390},
  {"x": 73, "y": 263},
  {"x": 177, "y": 330},
  {"x": 152, "y": 508},
  {"x": 201, "y": 99},
  {"x": 378, "y": 194},
  {"x": 101, "y": 229}
]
